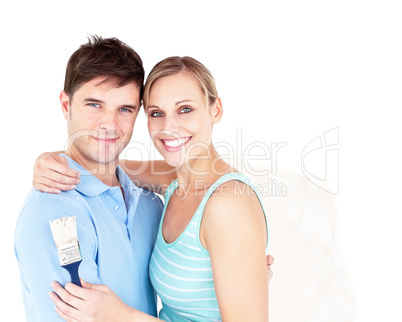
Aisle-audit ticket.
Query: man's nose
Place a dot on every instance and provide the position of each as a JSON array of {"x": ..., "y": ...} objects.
[{"x": 109, "y": 123}]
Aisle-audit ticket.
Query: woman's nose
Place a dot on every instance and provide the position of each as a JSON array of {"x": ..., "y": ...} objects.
[{"x": 171, "y": 124}]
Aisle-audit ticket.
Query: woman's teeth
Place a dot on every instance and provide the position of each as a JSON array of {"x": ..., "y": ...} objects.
[{"x": 175, "y": 143}]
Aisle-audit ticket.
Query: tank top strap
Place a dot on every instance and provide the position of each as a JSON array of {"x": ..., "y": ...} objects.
[
  {"x": 226, "y": 177},
  {"x": 168, "y": 193}
]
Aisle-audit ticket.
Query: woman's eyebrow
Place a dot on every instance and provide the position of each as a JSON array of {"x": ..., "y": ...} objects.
[
  {"x": 152, "y": 107},
  {"x": 176, "y": 104},
  {"x": 186, "y": 101}
]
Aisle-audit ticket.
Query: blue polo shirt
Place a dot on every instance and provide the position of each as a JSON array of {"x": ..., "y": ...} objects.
[{"x": 116, "y": 237}]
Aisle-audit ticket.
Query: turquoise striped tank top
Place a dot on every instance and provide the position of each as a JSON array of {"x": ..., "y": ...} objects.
[{"x": 181, "y": 272}]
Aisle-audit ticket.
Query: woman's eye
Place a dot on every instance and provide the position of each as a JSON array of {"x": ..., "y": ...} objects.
[
  {"x": 185, "y": 110},
  {"x": 156, "y": 114}
]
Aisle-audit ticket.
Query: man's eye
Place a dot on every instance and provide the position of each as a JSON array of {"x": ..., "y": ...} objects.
[
  {"x": 185, "y": 110},
  {"x": 94, "y": 104},
  {"x": 156, "y": 114},
  {"x": 126, "y": 110}
]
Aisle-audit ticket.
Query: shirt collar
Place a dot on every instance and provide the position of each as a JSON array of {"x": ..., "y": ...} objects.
[{"x": 92, "y": 186}]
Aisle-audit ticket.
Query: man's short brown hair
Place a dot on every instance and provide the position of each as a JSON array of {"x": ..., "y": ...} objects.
[{"x": 108, "y": 57}]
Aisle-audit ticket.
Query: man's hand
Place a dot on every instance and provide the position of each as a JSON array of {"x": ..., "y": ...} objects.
[{"x": 270, "y": 261}]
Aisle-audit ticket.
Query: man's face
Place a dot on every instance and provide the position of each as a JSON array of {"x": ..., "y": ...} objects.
[{"x": 100, "y": 120}]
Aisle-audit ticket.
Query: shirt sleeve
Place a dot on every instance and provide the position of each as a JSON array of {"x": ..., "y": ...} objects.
[{"x": 37, "y": 255}]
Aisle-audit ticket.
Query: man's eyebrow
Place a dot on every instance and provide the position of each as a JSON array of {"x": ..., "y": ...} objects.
[
  {"x": 92, "y": 100},
  {"x": 95, "y": 100},
  {"x": 129, "y": 106}
]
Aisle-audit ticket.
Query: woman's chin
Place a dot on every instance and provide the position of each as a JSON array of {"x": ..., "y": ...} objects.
[
  {"x": 174, "y": 159},
  {"x": 177, "y": 164}
]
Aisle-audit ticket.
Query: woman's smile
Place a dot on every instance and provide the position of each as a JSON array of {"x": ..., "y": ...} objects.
[{"x": 172, "y": 145}]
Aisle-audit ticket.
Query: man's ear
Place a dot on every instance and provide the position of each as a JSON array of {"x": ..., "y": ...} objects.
[
  {"x": 216, "y": 110},
  {"x": 65, "y": 104}
]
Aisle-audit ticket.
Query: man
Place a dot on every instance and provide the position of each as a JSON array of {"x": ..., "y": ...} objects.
[{"x": 116, "y": 221}]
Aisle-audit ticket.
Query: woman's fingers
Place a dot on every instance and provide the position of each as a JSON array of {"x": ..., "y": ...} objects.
[
  {"x": 40, "y": 183},
  {"x": 44, "y": 188},
  {"x": 60, "y": 165},
  {"x": 52, "y": 174},
  {"x": 47, "y": 180}
]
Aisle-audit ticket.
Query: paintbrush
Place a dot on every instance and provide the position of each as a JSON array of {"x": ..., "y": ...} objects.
[{"x": 64, "y": 231}]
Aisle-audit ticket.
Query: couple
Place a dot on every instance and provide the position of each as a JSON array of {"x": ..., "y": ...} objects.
[{"x": 204, "y": 252}]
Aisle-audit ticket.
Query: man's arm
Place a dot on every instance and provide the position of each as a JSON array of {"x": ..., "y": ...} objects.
[{"x": 37, "y": 254}]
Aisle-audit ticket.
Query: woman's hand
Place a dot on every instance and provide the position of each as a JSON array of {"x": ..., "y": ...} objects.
[
  {"x": 52, "y": 174},
  {"x": 91, "y": 302}
]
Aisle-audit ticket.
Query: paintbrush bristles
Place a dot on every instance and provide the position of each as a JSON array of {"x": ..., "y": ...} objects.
[{"x": 64, "y": 231}]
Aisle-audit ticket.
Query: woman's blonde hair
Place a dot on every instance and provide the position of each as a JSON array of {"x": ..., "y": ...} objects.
[{"x": 173, "y": 65}]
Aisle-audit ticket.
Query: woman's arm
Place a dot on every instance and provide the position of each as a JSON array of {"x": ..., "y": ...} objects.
[
  {"x": 52, "y": 174},
  {"x": 93, "y": 302},
  {"x": 234, "y": 232},
  {"x": 153, "y": 175}
]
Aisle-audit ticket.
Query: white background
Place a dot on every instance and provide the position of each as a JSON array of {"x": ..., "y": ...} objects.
[{"x": 287, "y": 71}]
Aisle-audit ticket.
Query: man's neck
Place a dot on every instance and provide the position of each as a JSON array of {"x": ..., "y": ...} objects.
[
  {"x": 107, "y": 175},
  {"x": 105, "y": 172}
]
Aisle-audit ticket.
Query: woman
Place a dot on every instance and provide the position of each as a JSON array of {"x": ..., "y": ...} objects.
[{"x": 208, "y": 262}]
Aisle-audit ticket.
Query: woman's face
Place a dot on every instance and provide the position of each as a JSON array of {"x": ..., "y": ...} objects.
[{"x": 179, "y": 121}]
